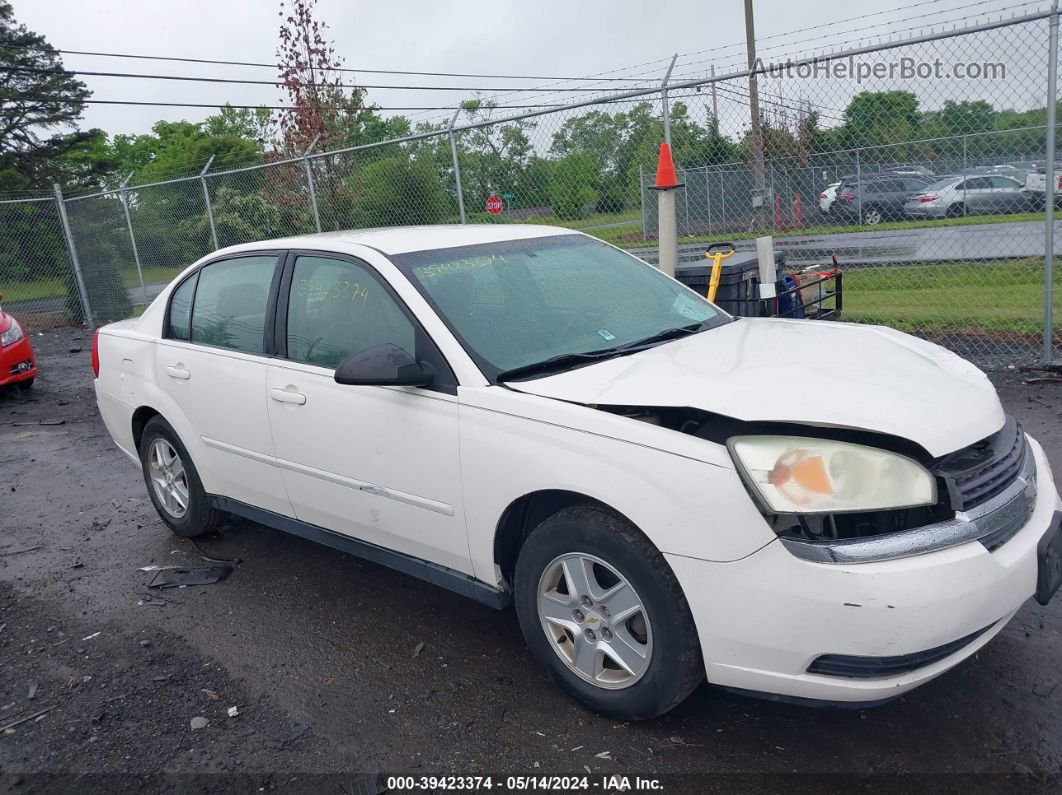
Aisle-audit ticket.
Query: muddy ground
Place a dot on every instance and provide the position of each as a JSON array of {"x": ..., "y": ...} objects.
[{"x": 339, "y": 666}]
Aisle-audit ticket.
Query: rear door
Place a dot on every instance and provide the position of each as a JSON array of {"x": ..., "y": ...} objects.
[
  {"x": 978, "y": 195},
  {"x": 1008, "y": 196},
  {"x": 212, "y": 361},
  {"x": 377, "y": 463}
]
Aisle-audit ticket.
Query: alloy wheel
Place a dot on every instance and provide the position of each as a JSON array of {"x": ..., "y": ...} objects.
[
  {"x": 168, "y": 478},
  {"x": 595, "y": 621}
]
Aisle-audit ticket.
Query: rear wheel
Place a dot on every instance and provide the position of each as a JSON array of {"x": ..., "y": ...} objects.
[
  {"x": 957, "y": 210},
  {"x": 873, "y": 216},
  {"x": 602, "y": 611},
  {"x": 173, "y": 483}
]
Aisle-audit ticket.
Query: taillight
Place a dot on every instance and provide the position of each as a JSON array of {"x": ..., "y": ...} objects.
[
  {"x": 96, "y": 353},
  {"x": 848, "y": 197},
  {"x": 927, "y": 199},
  {"x": 822, "y": 195}
]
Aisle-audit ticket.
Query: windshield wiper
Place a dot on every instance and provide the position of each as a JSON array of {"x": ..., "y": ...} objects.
[
  {"x": 560, "y": 362},
  {"x": 566, "y": 360},
  {"x": 663, "y": 336}
]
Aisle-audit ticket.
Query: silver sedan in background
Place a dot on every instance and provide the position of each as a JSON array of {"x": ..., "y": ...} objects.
[{"x": 956, "y": 196}]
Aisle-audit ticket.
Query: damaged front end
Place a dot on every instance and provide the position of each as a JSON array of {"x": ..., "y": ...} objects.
[{"x": 983, "y": 492}]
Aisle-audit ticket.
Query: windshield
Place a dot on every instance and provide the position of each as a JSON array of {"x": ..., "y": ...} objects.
[{"x": 520, "y": 302}]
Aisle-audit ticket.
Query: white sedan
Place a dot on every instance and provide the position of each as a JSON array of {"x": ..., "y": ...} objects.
[{"x": 529, "y": 416}]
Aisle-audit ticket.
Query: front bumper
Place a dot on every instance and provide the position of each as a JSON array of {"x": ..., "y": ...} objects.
[
  {"x": 763, "y": 621},
  {"x": 17, "y": 363}
]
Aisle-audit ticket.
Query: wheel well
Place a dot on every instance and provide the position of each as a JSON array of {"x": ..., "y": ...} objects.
[
  {"x": 524, "y": 515},
  {"x": 140, "y": 419}
]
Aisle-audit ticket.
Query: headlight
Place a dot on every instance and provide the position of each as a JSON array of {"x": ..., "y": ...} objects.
[
  {"x": 794, "y": 474},
  {"x": 12, "y": 335}
]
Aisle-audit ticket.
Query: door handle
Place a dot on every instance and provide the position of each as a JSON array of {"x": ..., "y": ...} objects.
[
  {"x": 178, "y": 372},
  {"x": 284, "y": 396}
]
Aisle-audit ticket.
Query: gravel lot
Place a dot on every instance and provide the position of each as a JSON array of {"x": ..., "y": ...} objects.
[{"x": 336, "y": 665}]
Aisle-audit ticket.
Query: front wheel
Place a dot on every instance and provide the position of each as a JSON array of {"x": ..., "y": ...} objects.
[
  {"x": 173, "y": 483},
  {"x": 601, "y": 610}
]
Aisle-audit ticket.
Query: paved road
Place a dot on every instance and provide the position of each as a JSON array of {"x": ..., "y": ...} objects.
[
  {"x": 57, "y": 303},
  {"x": 930, "y": 244},
  {"x": 340, "y": 665}
]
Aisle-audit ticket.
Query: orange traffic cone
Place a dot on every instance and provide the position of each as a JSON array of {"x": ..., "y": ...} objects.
[{"x": 665, "y": 170}]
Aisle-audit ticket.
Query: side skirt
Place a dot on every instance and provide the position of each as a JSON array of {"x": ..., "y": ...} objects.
[{"x": 422, "y": 569}]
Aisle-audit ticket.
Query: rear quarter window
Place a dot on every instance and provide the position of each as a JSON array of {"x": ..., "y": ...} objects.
[{"x": 178, "y": 320}]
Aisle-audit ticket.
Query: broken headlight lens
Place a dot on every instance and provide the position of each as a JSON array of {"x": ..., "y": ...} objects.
[
  {"x": 12, "y": 335},
  {"x": 795, "y": 474}
]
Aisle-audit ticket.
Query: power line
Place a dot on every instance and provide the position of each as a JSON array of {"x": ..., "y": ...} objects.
[
  {"x": 275, "y": 83},
  {"x": 250, "y": 107},
  {"x": 325, "y": 68}
]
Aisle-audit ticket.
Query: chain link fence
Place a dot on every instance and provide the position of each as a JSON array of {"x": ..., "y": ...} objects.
[{"x": 920, "y": 163}]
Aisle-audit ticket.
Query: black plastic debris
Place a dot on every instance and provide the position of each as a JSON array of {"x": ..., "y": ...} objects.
[{"x": 179, "y": 577}]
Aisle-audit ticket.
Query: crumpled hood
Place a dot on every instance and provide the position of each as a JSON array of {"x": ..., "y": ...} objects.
[{"x": 816, "y": 373}]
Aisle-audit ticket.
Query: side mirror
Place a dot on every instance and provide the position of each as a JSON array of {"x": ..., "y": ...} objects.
[{"x": 384, "y": 365}]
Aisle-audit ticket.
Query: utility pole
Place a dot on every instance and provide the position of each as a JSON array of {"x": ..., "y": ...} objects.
[
  {"x": 715, "y": 103},
  {"x": 759, "y": 187}
]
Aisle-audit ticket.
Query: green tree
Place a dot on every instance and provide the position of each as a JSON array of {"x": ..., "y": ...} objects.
[
  {"x": 238, "y": 218},
  {"x": 400, "y": 190},
  {"x": 574, "y": 184},
  {"x": 37, "y": 97},
  {"x": 886, "y": 122}
]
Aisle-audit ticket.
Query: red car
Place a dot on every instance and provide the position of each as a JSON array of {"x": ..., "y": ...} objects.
[{"x": 18, "y": 365}]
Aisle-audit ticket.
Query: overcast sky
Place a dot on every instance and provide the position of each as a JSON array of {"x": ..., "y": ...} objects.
[{"x": 542, "y": 37}]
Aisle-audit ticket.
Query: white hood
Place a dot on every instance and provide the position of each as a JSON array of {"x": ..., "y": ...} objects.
[{"x": 815, "y": 373}]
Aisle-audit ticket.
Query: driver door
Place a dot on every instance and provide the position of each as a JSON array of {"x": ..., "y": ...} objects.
[{"x": 373, "y": 462}]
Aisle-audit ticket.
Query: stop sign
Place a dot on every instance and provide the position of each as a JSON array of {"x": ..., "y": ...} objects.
[{"x": 494, "y": 205}]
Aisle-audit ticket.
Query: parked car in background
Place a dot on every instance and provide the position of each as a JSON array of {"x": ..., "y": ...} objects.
[
  {"x": 958, "y": 196},
  {"x": 828, "y": 197},
  {"x": 1036, "y": 184},
  {"x": 528, "y": 415},
  {"x": 876, "y": 198},
  {"x": 18, "y": 365}
]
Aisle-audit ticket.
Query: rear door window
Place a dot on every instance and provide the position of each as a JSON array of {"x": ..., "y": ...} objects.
[{"x": 230, "y": 303}]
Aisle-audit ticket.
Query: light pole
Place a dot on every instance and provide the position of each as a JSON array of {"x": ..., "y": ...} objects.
[{"x": 759, "y": 186}]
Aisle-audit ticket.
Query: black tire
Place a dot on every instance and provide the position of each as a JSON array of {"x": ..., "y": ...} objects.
[
  {"x": 26, "y": 385},
  {"x": 200, "y": 517},
  {"x": 957, "y": 210},
  {"x": 674, "y": 669},
  {"x": 873, "y": 215}
]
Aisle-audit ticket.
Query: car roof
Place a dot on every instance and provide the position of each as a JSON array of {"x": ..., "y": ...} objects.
[{"x": 403, "y": 239}]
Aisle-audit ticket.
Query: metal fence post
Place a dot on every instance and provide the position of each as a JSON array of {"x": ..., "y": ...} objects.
[
  {"x": 859, "y": 191},
  {"x": 641, "y": 200},
  {"x": 206, "y": 198},
  {"x": 71, "y": 249},
  {"x": 309, "y": 181},
  {"x": 663, "y": 97},
  {"x": 132, "y": 237},
  {"x": 457, "y": 165},
  {"x": 1049, "y": 186}
]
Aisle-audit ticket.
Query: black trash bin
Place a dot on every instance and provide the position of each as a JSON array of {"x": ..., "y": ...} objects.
[{"x": 739, "y": 283}]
